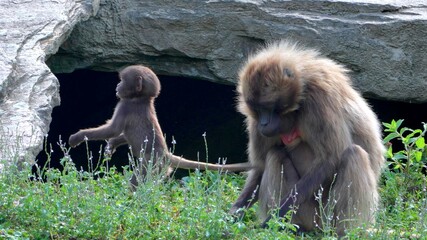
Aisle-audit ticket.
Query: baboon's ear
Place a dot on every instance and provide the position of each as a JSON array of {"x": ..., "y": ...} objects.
[{"x": 139, "y": 84}]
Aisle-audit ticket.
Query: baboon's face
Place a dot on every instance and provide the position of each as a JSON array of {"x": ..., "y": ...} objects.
[
  {"x": 269, "y": 94},
  {"x": 126, "y": 89},
  {"x": 273, "y": 118}
]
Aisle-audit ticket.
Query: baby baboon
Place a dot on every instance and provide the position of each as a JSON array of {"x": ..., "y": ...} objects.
[
  {"x": 135, "y": 122},
  {"x": 308, "y": 130}
]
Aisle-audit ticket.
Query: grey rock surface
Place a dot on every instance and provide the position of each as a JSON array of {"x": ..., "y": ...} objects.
[
  {"x": 384, "y": 43},
  {"x": 31, "y": 31}
]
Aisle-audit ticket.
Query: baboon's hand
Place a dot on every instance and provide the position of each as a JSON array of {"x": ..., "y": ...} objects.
[
  {"x": 110, "y": 147},
  {"x": 237, "y": 213},
  {"x": 75, "y": 139}
]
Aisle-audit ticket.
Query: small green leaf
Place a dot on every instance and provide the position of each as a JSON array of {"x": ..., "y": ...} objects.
[
  {"x": 398, "y": 123},
  {"x": 418, "y": 156},
  {"x": 393, "y": 123},
  {"x": 389, "y": 153},
  {"x": 420, "y": 143},
  {"x": 387, "y": 127},
  {"x": 390, "y": 136},
  {"x": 400, "y": 155},
  {"x": 397, "y": 166}
]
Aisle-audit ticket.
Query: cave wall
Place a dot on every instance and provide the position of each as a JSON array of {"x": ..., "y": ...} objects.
[{"x": 382, "y": 42}]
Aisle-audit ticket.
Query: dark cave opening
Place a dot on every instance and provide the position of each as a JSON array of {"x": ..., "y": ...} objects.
[{"x": 186, "y": 109}]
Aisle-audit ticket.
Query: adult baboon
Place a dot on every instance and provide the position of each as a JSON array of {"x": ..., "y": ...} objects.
[
  {"x": 135, "y": 122},
  {"x": 308, "y": 130}
]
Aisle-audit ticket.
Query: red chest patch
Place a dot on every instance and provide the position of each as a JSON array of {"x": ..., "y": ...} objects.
[{"x": 290, "y": 137}]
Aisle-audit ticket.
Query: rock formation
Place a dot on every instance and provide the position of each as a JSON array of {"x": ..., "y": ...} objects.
[
  {"x": 382, "y": 42},
  {"x": 31, "y": 31}
]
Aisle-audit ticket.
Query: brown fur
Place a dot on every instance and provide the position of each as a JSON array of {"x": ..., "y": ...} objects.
[
  {"x": 339, "y": 147},
  {"x": 135, "y": 122}
]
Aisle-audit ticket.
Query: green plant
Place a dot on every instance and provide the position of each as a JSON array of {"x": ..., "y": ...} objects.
[
  {"x": 403, "y": 189},
  {"x": 97, "y": 204},
  {"x": 411, "y": 160},
  {"x": 413, "y": 156}
]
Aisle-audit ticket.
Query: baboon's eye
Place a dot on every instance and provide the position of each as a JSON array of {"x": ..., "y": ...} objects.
[
  {"x": 288, "y": 73},
  {"x": 253, "y": 108}
]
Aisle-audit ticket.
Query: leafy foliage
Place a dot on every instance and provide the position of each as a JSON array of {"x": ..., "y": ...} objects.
[
  {"x": 404, "y": 183},
  {"x": 414, "y": 155},
  {"x": 98, "y": 203}
]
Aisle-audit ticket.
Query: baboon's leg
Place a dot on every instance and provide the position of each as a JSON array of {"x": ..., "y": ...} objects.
[{"x": 355, "y": 189}]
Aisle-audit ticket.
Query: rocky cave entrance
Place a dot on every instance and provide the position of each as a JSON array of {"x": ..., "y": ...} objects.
[{"x": 186, "y": 109}]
